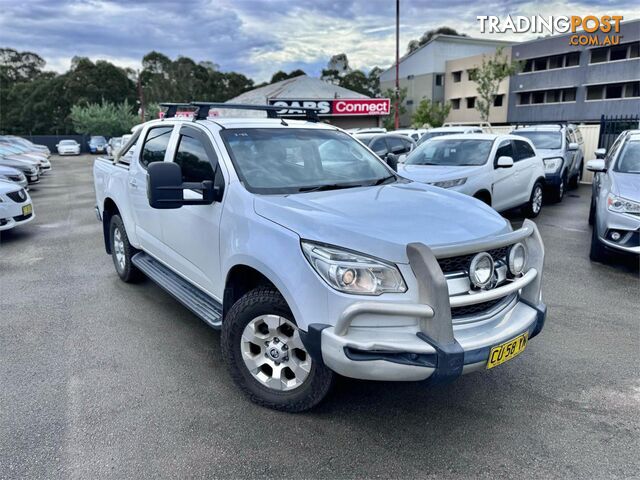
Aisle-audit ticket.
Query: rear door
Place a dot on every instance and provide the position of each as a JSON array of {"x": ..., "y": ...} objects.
[
  {"x": 379, "y": 147},
  {"x": 504, "y": 190},
  {"x": 525, "y": 165},
  {"x": 192, "y": 233},
  {"x": 154, "y": 147}
]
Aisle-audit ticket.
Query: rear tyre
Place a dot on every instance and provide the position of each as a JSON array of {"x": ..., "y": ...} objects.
[
  {"x": 560, "y": 190},
  {"x": 534, "y": 205},
  {"x": 266, "y": 358},
  {"x": 575, "y": 181},
  {"x": 598, "y": 252},
  {"x": 122, "y": 251}
]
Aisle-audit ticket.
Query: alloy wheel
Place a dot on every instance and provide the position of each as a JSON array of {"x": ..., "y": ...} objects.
[
  {"x": 536, "y": 202},
  {"x": 118, "y": 248}
]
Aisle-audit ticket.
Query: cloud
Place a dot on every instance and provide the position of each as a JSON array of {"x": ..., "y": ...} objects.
[{"x": 253, "y": 37}]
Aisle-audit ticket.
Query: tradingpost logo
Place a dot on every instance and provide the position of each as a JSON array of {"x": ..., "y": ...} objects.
[{"x": 585, "y": 29}]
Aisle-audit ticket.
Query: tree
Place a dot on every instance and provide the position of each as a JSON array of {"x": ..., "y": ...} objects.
[
  {"x": 20, "y": 66},
  {"x": 488, "y": 78},
  {"x": 429, "y": 34},
  {"x": 281, "y": 75},
  {"x": 430, "y": 113},
  {"x": 389, "y": 122},
  {"x": 103, "y": 119},
  {"x": 337, "y": 67}
]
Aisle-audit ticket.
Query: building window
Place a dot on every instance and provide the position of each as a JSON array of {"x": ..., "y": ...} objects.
[
  {"x": 409, "y": 102},
  {"x": 634, "y": 50},
  {"x": 554, "y": 96},
  {"x": 556, "y": 61},
  {"x": 572, "y": 59},
  {"x": 524, "y": 98},
  {"x": 457, "y": 76},
  {"x": 471, "y": 73},
  {"x": 618, "y": 53},
  {"x": 497, "y": 100},
  {"x": 528, "y": 66},
  {"x": 613, "y": 91},
  {"x": 569, "y": 94},
  {"x": 615, "y": 53},
  {"x": 438, "y": 80},
  {"x": 599, "y": 55},
  {"x": 537, "y": 97},
  {"x": 540, "y": 64},
  {"x": 595, "y": 92},
  {"x": 471, "y": 102},
  {"x": 455, "y": 103}
]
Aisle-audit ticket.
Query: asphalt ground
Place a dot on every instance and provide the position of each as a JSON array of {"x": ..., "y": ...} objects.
[{"x": 100, "y": 379}]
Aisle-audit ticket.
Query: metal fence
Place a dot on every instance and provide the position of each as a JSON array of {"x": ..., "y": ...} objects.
[{"x": 611, "y": 127}]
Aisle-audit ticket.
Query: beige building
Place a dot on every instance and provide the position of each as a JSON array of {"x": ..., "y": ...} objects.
[{"x": 461, "y": 92}]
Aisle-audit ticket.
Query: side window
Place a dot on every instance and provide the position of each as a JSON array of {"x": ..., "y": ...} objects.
[
  {"x": 567, "y": 139},
  {"x": 155, "y": 145},
  {"x": 397, "y": 145},
  {"x": 523, "y": 151},
  {"x": 379, "y": 146},
  {"x": 193, "y": 159},
  {"x": 505, "y": 150}
]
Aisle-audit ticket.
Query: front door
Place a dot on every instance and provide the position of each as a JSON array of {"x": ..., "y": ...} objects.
[
  {"x": 504, "y": 188},
  {"x": 192, "y": 233},
  {"x": 525, "y": 165}
]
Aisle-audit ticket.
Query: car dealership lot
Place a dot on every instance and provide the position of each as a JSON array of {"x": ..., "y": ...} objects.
[{"x": 103, "y": 379}]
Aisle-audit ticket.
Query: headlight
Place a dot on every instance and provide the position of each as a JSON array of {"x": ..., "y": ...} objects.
[
  {"x": 450, "y": 183},
  {"x": 552, "y": 165},
  {"x": 353, "y": 273},
  {"x": 622, "y": 205},
  {"x": 517, "y": 258}
]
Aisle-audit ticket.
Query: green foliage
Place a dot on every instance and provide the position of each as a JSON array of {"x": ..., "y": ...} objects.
[
  {"x": 432, "y": 114},
  {"x": 488, "y": 77},
  {"x": 280, "y": 75},
  {"x": 429, "y": 34},
  {"x": 106, "y": 119},
  {"x": 389, "y": 122}
]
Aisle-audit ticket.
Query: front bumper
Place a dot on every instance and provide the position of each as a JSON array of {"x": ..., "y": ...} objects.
[
  {"x": 10, "y": 219},
  {"x": 553, "y": 180},
  {"x": 434, "y": 347},
  {"x": 627, "y": 225}
]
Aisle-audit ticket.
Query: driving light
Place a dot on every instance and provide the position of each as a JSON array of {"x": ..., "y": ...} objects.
[
  {"x": 622, "y": 205},
  {"x": 351, "y": 272},
  {"x": 481, "y": 270},
  {"x": 450, "y": 183},
  {"x": 517, "y": 258},
  {"x": 552, "y": 165}
]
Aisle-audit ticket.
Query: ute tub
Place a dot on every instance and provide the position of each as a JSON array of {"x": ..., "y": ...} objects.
[{"x": 434, "y": 348}]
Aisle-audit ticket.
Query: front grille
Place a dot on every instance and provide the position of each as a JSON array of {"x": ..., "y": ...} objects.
[
  {"x": 461, "y": 263},
  {"x": 20, "y": 218},
  {"x": 18, "y": 196},
  {"x": 478, "y": 308}
]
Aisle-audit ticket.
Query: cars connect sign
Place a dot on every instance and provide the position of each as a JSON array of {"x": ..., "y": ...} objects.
[{"x": 336, "y": 107}]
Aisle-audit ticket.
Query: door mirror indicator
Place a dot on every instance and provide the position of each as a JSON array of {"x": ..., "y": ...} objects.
[
  {"x": 165, "y": 187},
  {"x": 504, "y": 162}
]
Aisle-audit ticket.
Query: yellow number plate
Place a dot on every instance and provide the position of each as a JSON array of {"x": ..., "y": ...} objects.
[
  {"x": 27, "y": 209},
  {"x": 507, "y": 350}
]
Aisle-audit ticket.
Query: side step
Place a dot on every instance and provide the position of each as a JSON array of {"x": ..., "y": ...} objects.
[{"x": 201, "y": 304}]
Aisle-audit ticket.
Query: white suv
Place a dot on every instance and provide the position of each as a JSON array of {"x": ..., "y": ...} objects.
[{"x": 503, "y": 171}]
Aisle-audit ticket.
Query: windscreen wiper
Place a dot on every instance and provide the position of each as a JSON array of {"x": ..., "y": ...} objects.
[
  {"x": 329, "y": 186},
  {"x": 384, "y": 180}
]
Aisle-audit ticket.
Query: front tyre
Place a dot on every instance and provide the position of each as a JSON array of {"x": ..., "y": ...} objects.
[
  {"x": 122, "y": 251},
  {"x": 598, "y": 252},
  {"x": 534, "y": 205},
  {"x": 265, "y": 356}
]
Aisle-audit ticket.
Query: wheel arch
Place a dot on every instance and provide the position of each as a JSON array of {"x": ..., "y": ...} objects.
[
  {"x": 483, "y": 195},
  {"x": 240, "y": 279},
  {"x": 110, "y": 208}
]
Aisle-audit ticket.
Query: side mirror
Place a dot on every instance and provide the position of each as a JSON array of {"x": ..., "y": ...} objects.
[
  {"x": 504, "y": 162},
  {"x": 165, "y": 187},
  {"x": 596, "y": 165},
  {"x": 601, "y": 152},
  {"x": 392, "y": 161},
  {"x": 573, "y": 146}
]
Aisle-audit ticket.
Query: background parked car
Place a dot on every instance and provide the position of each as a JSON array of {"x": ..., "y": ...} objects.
[
  {"x": 438, "y": 132},
  {"x": 25, "y": 143},
  {"x": 68, "y": 147},
  {"x": 383, "y": 144},
  {"x": 503, "y": 171},
  {"x": 28, "y": 168},
  {"x": 561, "y": 147},
  {"x": 10, "y": 174},
  {"x": 97, "y": 144},
  {"x": 615, "y": 198},
  {"x": 414, "y": 133},
  {"x": 15, "y": 206},
  {"x": 22, "y": 153}
]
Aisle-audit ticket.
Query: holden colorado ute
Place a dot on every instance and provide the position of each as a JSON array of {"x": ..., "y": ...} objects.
[{"x": 314, "y": 257}]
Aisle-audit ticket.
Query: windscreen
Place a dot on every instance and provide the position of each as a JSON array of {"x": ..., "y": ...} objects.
[
  {"x": 68, "y": 142},
  {"x": 542, "y": 140},
  {"x": 290, "y": 160},
  {"x": 629, "y": 160},
  {"x": 430, "y": 135},
  {"x": 451, "y": 152}
]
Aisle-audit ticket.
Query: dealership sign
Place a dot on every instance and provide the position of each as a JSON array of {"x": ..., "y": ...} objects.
[{"x": 336, "y": 106}]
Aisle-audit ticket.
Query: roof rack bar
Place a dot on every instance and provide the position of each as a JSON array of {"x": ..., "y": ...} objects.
[
  {"x": 203, "y": 108},
  {"x": 172, "y": 108}
]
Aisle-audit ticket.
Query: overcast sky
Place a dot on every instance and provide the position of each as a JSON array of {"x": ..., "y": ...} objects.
[{"x": 253, "y": 37}]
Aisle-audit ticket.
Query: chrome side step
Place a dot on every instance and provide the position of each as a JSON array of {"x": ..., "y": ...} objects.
[{"x": 200, "y": 303}]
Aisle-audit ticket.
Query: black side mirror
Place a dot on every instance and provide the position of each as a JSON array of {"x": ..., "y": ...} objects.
[
  {"x": 392, "y": 161},
  {"x": 165, "y": 187}
]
